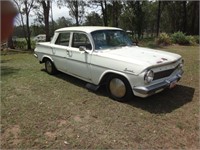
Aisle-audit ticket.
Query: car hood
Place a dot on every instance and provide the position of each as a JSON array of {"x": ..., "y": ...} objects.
[{"x": 145, "y": 57}]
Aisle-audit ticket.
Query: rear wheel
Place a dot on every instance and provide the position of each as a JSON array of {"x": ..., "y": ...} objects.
[
  {"x": 49, "y": 66},
  {"x": 118, "y": 88}
]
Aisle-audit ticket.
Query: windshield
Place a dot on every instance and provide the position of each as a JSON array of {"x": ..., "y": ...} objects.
[{"x": 110, "y": 39}]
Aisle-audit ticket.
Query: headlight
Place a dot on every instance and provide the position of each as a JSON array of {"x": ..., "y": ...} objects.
[
  {"x": 181, "y": 64},
  {"x": 148, "y": 77}
]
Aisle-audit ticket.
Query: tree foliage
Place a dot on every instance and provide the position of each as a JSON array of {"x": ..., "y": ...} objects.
[
  {"x": 24, "y": 8},
  {"x": 140, "y": 18},
  {"x": 93, "y": 19},
  {"x": 76, "y": 9}
]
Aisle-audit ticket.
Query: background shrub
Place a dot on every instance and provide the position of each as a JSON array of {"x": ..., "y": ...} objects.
[
  {"x": 163, "y": 39},
  {"x": 180, "y": 38},
  {"x": 196, "y": 37},
  {"x": 21, "y": 44},
  {"x": 33, "y": 44},
  {"x": 191, "y": 40}
]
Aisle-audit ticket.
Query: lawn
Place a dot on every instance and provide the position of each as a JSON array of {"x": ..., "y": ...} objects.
[{"x": 40, "y": 111}]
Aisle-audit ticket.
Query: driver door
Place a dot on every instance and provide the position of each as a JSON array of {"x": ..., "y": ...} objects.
[{"x": 79, "y": 61}]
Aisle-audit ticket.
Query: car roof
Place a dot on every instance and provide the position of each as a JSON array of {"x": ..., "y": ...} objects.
[
  {"x": 87, "y": 29},
  {"x": 41, "y": 35}
]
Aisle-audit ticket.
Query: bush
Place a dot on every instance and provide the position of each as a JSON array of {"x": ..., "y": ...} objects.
[
  {"x": 33, "y": 44},
  {"x": 180, "y": 38},
  {"x": 191, "y": 40},
  {"x": 152, "y": 44},
  {"x": 163, "y": 39},
  {"x": 196, "y": 37},
  {"x": 21, "y": 44}
]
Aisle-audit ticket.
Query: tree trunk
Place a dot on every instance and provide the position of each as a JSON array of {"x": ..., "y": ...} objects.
[
  {"x": 139, "y": 19},
  {"x": 46, "y": 7},
  {"x": 195, "y": 18},
  {"x": 28, "y": 40},
  {"x": 184, "y": 25},
  {"x": 76, "y": 12},
  {"x": 104, "y": 12},
  {"x": 158, "y": 19},
  {"x": 10, "y": 43},
  {"x": 115, "y": 12},
  {"x": 52, "y": 30}
]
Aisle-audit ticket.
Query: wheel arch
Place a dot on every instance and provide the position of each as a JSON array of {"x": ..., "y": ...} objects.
[
  {"x": 108, "y": 73},
  {"x": 45, "y": 57}
]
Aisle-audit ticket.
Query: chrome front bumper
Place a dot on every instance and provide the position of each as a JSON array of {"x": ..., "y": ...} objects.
[
  {"x": 142, "y": 91},
  {"x": 36, "y": 56}
]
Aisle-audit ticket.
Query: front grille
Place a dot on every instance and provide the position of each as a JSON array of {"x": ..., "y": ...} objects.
[{"x": 163, "y": 74}]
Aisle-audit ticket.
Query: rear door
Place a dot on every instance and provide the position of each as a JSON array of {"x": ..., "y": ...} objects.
[{"x": 61, "y": 51}]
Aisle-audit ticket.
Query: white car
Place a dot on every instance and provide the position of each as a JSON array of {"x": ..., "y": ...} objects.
[
  {"x": 40, "y": 38},
  {"x": 106, "y": 55}
]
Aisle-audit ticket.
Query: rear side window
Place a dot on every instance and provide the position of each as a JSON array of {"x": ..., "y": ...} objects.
[{"x": 63, "y": 39}]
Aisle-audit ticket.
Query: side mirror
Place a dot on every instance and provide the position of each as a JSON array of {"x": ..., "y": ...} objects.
[{"x": 82, "y": 48}]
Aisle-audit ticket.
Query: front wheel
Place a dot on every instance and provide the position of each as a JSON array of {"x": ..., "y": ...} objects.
[
  {"x": 49, "y": 67},
  {"x": 118, "y": 88}
]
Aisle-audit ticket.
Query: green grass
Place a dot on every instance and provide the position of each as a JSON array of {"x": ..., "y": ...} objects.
[{"x": 58, "y": 112}]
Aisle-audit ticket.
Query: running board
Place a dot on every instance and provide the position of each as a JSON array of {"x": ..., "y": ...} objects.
[{"x": 92, "y": 87}]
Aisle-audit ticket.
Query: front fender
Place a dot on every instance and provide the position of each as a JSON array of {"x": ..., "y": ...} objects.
[{"x": 106, "y": 73}]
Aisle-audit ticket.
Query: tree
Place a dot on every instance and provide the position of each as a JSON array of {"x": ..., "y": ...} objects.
[
  {"x": 46, "y": 8},
  {"x": 43, "y": 15},
  {"x": 158, "y": 18},
  {"x": 93, "y": 19},
  {"x": 63, "y": 22},
  {"x": 76, "y": 9},
  {"x": 150, "y": 18},
  {"x": 184, "y": 23},
  {"x": 10, "y": 43},
  {"x": 114, "y": 9},
  {"x": 193, "y": 15},
  {"x": 25, "y": 8},
  {"x": 103, "y": 4},
  {"x": 136, "y": 16}
]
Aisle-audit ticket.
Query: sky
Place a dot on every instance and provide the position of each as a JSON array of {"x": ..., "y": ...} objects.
[{"x": 58, "y": 12}]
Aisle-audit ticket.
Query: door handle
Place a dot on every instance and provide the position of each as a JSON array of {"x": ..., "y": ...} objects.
[
  {"x": 53, "y": 51},
  {"x": 67, "y": 52}
]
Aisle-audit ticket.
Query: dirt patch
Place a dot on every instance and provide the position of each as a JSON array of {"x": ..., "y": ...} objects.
[
  {"x": 78, "y": 118},
  {"x": 62, "y": 123},
  {"x": 12, "y": 133},
  {"x": 50, "y": 135}
]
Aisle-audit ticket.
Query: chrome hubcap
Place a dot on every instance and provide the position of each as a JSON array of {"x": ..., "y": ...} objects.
[
  {"x": 48, "y": 66},
  {"x": 117, "y": 88}
]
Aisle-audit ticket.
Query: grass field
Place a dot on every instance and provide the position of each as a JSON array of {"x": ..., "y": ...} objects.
[{"x": 40, "y": 111}]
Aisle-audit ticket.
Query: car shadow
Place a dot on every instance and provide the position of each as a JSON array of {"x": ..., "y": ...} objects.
[
  {"x": 68, "y": 78},
  {"x": 161, "y": 103},
  {"x": 166, "y": 101}
]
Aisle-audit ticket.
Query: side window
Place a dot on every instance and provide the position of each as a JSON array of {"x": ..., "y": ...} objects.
[
  {"x": 63, "y": 39},
  {"x": 81, "y": 39}
]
